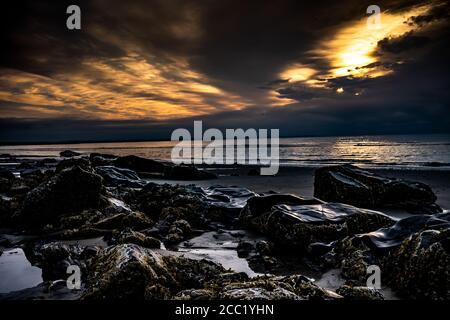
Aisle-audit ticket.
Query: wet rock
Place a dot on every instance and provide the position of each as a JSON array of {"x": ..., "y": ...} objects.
[
  {"x": 100, "y": 159},
  {"x": 69, "y": 154},
  {"x": 250, "y": 291},
  {"x": 85, "y": 218},
  {"x": 103, "y": 155},
  {"x": 196, "y": 294},
  {"x": 351, "y": 185},
  {"x": 420, "y": 267},
  {"x": 178, "y": 231},
  {"x": 153, "y": 169},
  {"x": 84, "y": 233},
  {"x": 359, "y": 293},
  {"x": 386, "y": 240},
  {"x": 157, "y": 292},
  {"x": 264, "y": 247},
  {"x": 5, "y": 242},
  {"x": 124, "y": 271},
  {"x": 132, "y": 272},
  {"x": 318, "y": 249},
  {"x": 139, "y": 164},
  {"x": 225, "y": 202},
  {"x": 54, "y": 258},
  {"x": 34, "y": 172},
  {"x": 294, "y": 287},
  {"x": 295, "y": 222},
  {"x": 168, "y": 203},
  {"x": 6, "y": 180},
  {"x": 413, "y": 256},
  {"x": 129, "y": 236},
  {"x": 5, "y": 210},
  {"x": 70, "y": 191},
  {"x": 245, "y": 248},
  {"x": 133, "y": 220},
  {"x": 83, "y": 163},
  {"x": 119, "y": 177},
  {"x": 352, "y": 257}
]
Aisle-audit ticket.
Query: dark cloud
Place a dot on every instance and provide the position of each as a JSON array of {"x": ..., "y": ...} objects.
[
  {"x": 236, "y": 47},
  {"x": 441, "y": 11},
  {"x": 406, "y": 42}
]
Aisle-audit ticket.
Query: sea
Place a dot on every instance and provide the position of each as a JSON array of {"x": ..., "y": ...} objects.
[{"x": 387, "y": 151}]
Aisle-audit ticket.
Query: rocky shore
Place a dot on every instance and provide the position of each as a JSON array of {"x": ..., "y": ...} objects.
[{"x": 136, "y": 239}]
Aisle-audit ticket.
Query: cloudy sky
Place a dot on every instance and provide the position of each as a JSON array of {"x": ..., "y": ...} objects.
[{"x": 139, "y": 69}]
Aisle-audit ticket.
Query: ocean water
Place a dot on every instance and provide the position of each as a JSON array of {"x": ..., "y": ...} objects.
[{"x": 395, "y": 151}]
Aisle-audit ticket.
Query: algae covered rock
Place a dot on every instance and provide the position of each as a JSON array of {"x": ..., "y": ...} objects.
[
  {"x": 295, "y": 287},
  {"x": 420, "y": 267},
  {"x": 169, "y": 203},
  {"x": 70, "y": 191},
  {"x": 196, "y": 294},
  {"x": 413, "y": 255},
  {"x": 129, "y": 219},
  {"x": 129, "y": 271},
  {"x": 129, "y": 236},
  {"x": 359, "y": 293}
]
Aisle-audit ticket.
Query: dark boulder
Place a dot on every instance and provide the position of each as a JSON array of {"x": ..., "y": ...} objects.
[
  {"x": 129, "y": 271},
  {"x": 83, "y": 163},
  {"x": 103, "y": 155},
  {"x": 129, "y": 236},
  {"x": 114, "y": 177},
  {"x": 149, "y": 168},
  {"x": 413, "y": 255},
  {"x": 133, "y": 220},
  {"x": 385, "y": 240},
  {"x": 6, "y": 179},
  {"x": 352, "y": 185},
  {"x": 296, "y": 222},
  {"x": 54, "y": 258},
  {"x": 294, "y": 287},
  {"x": 359, "y": 293},
  {"x": 225, "y": 203},
  {"x": 36, "y": 172},
  {"x": 69, "y": 154},
  {"x": 72, "y": 190},
  {"x": 100, "y": 159},
  {"x": 139, "y": 164},
  {"x": 168, "y": 203},
  {"x": 420, "y": 267},
  {"x": 5, "y": 210}
]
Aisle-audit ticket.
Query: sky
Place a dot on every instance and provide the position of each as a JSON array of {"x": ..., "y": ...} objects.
[{"x": 137, "y": 70}]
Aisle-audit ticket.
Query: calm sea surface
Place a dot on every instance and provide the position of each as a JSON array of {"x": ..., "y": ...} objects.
[{"x": 402, "y": 151}]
